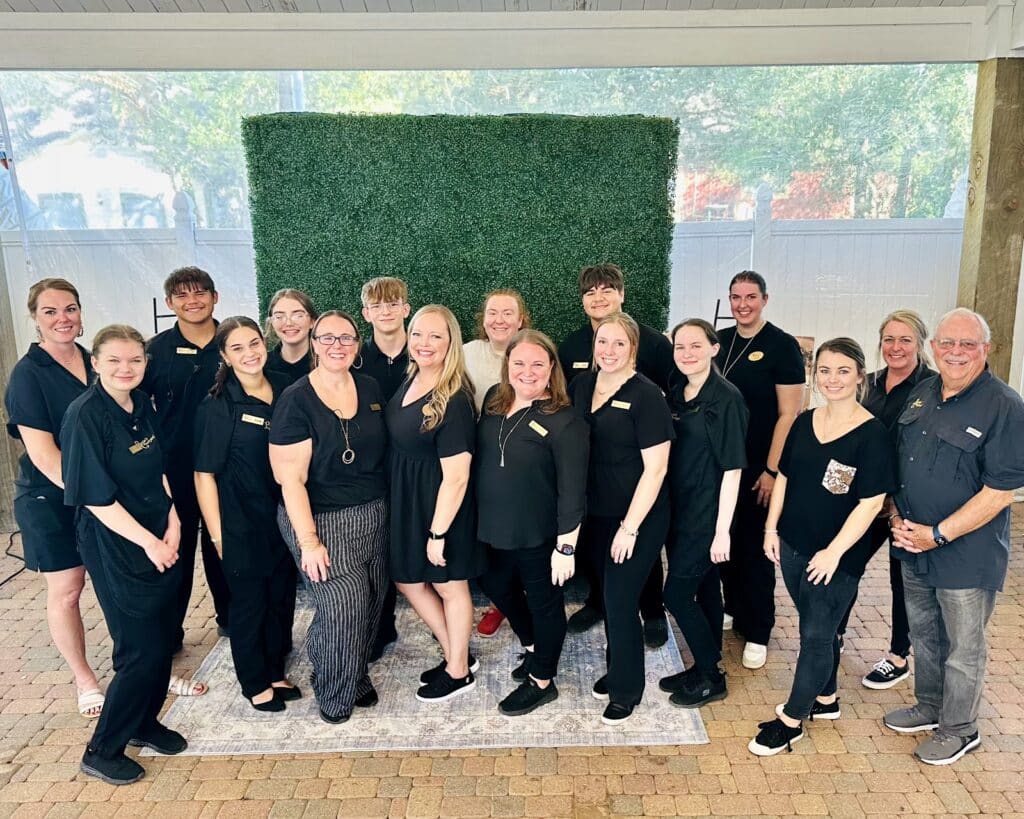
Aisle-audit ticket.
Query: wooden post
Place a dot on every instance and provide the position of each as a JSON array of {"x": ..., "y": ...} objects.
[{"x": 990, "y": 256}]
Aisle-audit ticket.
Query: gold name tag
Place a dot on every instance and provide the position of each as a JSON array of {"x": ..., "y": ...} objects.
[
  {"x": 253, "y": 419},
  {"x": 375, "y": 407},
  {"x": 538, "y": 429},
  {"x": 580, "y": 365},
  {"x": 140, "y": 446},
  {"x": 757, "y": 355},
  {"x": 186, "y": 351},
  {"x": 621, "y": 404}
]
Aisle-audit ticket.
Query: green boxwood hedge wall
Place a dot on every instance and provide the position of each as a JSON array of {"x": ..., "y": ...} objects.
[{"x": 459, "y": 205}]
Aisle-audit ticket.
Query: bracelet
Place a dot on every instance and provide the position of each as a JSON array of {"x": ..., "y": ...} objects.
[
  {"x": 309, "y": 542},
  {"x": 895, "y": 515},
  {"x": 216, "y": 541},
  {"x": 771, "y": 531},
  {"x": 432, "y": 535},
  {"x": 773, "y": 472},
  {"x": 629, "y": 532}
]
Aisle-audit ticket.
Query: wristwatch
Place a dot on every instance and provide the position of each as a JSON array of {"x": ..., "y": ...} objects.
[
  {"x": 938, "y": 537},
  {"x": 565, "y": 549},
  {"x": 436, "y": 535}
]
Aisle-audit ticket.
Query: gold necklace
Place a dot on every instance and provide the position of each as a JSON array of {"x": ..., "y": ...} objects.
[
  {"x": 501, "y": 429},
  {"x": 728, "y": 366}
]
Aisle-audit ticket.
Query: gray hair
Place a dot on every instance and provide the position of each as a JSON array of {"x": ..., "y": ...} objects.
[{"x": 963, "y": 312}]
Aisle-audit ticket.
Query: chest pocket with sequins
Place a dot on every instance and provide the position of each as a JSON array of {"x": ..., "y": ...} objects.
[{"x": 838, "y": 477}]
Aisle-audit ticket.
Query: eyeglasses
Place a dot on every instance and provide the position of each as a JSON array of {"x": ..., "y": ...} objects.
[
  {"x": 329, "y": 340},
  {"x": 968, "y": 345},
  {"x": 184, "y": 295},
  {"x": 296, "y": 317},
  {"x": 379, "y": 306}
]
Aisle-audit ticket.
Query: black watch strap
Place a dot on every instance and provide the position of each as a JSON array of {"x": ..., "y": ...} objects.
[{"x": 565, "y": 549}]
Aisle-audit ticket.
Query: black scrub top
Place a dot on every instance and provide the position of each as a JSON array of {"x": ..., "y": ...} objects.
[
  {"x": 711, "y": 433},
  {"x": 636, "y": 417},
  {"x": 389, "y": 372},
  {"x": 231, "y": 443},
  {"x": 38, "y": 394},
  {"x": 773, "y": 358},
  {"x": 111, "y": 455},
  {"x": 178, "y": 377},
  {"x": 332, "y": 484},
  {"x": 540, "y": 492},
  {"x": 292, "y": 371},
  {"x": 653, "y": 355}
]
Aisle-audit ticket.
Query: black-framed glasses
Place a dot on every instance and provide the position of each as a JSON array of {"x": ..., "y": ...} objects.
[{"x": 329, "y": 340}]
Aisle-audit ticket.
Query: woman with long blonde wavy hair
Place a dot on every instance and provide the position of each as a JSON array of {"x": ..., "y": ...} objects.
[{"x": 434, "y": 551}]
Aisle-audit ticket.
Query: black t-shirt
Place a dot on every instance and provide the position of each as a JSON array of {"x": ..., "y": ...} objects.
[
  {"x": 756, "y": 366},
  {"x": 653, "y": 355},
  {"x": 635, "y": 418},
  {"x": 389, "y": 372},
  {"x": 231, "y": 437},
  {"x": 292, "y": 370},
  {"x": 37, "y": 396},
  {"x": 711, "y": 433},
  {"x": 824, "y": 482},
  {"x": 300, "y": 415},
  {"x": 532, "y": 485}
]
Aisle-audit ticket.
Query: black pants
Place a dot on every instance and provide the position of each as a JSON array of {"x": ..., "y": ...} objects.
[
  {"x": 518, "y": 582},
  {"x": 386, "y": 631},
  {"x": 590, "y": 563},
  {"x": 623, "y": 583},
  {"x": 748, "y": 578},
  {"x": 693, "y": 596},
  {"x": 262, "y": 614},
  {"x": 820, "y": 608},
  {"x": 899, "y": 642},
  {"x": 141, "y": 659}
]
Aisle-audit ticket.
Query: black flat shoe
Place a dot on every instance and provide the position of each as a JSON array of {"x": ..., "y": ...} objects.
[
  {"x": 117, "y": 771},
  {"x": 333, "y": 720},
  {"x": 273, "y": 705},
  {"x": 367, "y": 700},
  {"x": 287, "y": 693},
  {"x": 161, "y": 739}
]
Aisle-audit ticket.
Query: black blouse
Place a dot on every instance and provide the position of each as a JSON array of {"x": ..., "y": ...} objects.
[
  {"x": 887, "y": 406},
  {"x": 531, "y": 475},
  {"x": 300, "y": 415},
  {"x": 653, "y": 355},
  {"x": 293, "y": 371},
  {"x": 633, "y": 419},
  {"x": 38, "y": 395}
]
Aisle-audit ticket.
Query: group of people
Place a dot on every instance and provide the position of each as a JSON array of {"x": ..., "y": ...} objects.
[{"x": 412, "y": 462}]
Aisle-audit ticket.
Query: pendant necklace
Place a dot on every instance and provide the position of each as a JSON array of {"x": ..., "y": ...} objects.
[
  {"x": 349, "y": 454},
  {"x": 728, "y": 366},
  {"x": 501, "y": 429}
]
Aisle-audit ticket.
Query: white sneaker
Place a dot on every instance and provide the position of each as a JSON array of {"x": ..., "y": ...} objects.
[
  {"x": 754, "y": 655},
  {"x": 727, "y": 622}
]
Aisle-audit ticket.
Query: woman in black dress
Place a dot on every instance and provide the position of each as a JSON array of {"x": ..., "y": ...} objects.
[
  {"x": 531, "y": 478},
  {"x": 708, "y": 456},
  {"x": 328, "y": 446},
  {"x": 238, "y": 498},
  {"x": 434, "y": 550},
  {"x": 834, "y": 473},
  {"x": 627, "y": 498},
  {"x": 52, "y": 374},
  {"x": 128, "y": 534},
  {"x": 290, "y": 321}
]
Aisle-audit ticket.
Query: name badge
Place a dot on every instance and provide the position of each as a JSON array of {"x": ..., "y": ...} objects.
[
  {"x": 375, "y": 407},
  {"x": 140, "y": 446},
  {"x": 186, "y": 351},
  {"x": 621, "y": 404},
  {"x": 757, "y": 355},
  {"x": 538, "y": 429},
  {"x": 580, "y": 365},
  {"x": 975, "y": 432},
  {"x": 254, "y": 419}
]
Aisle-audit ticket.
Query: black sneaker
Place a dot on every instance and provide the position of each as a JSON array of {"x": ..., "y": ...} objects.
[
  {"x": 616, "y": 712},
  {"x": 775, "y": 736},
  {"x": 600, "y": 689},
  {"x": 117, "y": 771},
  {"x": 334, "y": 720},
  {"x": 885, "y": 674},
  {"x": 527, "y": 697},
  {"x": 584, "y": 620},
  {"x": 522, "y": 671},
  {"x": 161, "y": 739},
  {"x": 367, "y": 700},
  {"x": 819, "y": 710},
  {"x": 430, "y": 673},
  {"x": 655, "y": 632},
  {"x": 444, "y": 687},
  {"x": 675, "y": 682},
  {"x": 700, "y": 691},
  {"x": 223, "y": 631}
]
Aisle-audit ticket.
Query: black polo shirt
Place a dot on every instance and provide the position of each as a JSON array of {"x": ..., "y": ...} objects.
[
  {"x": 635, "y": 418},
  {"x": 389, "y": 372},
  {"x": 37, "y": 396},
  {"x": 231, "y": 443},
  {"x": 540, "y": 491},
  {"x": 887, "y": 406},
  {"x": 292, "y": 370},
  {"x": 948, "y": 450},
  {"x": 178, "y": 377},
  {"x": 653, "y": 355},
  {"x": 771, "y": 358},
  {"x": 332, "y": 484},
  {"x": 711, "y": 434}
]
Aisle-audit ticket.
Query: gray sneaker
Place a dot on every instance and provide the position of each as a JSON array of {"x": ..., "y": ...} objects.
[
  {"x": 945, "y": 749},
  {"x": 909, "y": 720}
]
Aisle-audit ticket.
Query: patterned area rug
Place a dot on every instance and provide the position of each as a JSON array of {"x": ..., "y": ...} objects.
[{"x": 222, "y": 721}]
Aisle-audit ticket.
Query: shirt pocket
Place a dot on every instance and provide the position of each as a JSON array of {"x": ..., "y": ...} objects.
[
  {"x": 838, "y": 477},
  {"x": 951, "y": 449}
]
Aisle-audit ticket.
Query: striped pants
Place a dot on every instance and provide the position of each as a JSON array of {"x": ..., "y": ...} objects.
[{"x": 346, "y": 607}]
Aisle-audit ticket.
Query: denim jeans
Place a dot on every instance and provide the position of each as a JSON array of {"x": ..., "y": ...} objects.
[
  {"x": 820, "y": 608},
  {"x": 947, "y": 627}
]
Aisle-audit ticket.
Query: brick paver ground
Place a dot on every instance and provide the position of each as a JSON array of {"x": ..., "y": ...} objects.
[{"x": 852, "y": 767}]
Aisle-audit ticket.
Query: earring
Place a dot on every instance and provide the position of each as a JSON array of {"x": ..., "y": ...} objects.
[
  {"x": 81, "y": 332},
  {"x": 39, "y": 333}
]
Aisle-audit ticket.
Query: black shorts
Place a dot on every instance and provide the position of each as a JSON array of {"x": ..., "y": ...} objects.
[{"x": 47, "y": 530}]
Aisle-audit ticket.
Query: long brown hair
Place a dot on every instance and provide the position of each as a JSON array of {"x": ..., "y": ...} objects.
[
  {"x": 225, "y": 329},
  {"x": 504, "y": 394}
]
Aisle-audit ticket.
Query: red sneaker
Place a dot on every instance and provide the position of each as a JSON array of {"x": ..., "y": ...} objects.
[{"x": 490, "y": 622}]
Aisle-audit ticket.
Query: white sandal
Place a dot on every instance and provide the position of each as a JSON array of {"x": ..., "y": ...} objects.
[
  {"x": 89, "y": 701},
  {"x": 186, "y": 688}
]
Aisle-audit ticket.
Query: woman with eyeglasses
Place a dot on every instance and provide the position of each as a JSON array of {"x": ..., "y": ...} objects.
[
  {"x": 327, "y": 450},
  {"x": 289, "y": 321}
]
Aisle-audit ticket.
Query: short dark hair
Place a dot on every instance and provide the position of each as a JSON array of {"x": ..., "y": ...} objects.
[
  {"x": 36, "y": 290},
  {"x": 750, "y": 277},
  {"x": 189, "y": 278},
  {"x": 605, "y": 274},
  {"x": 700, "y": 324}
]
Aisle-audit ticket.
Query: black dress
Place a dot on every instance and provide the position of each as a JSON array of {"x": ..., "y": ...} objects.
[{"x": 415, "y": 468}]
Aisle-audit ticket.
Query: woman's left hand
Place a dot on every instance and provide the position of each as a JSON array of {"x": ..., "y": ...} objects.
[
  {"x": 622, "y": 546},
  {"x": 435, "y": 552},
  {"x": 822, "y": 566},
  {"x": 562, "y": 568}
]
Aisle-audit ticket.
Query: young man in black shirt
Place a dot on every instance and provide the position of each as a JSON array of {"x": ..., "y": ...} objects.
[
  {"x": 603, "y": 291},
  {"x": 182, "y": 364}
]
